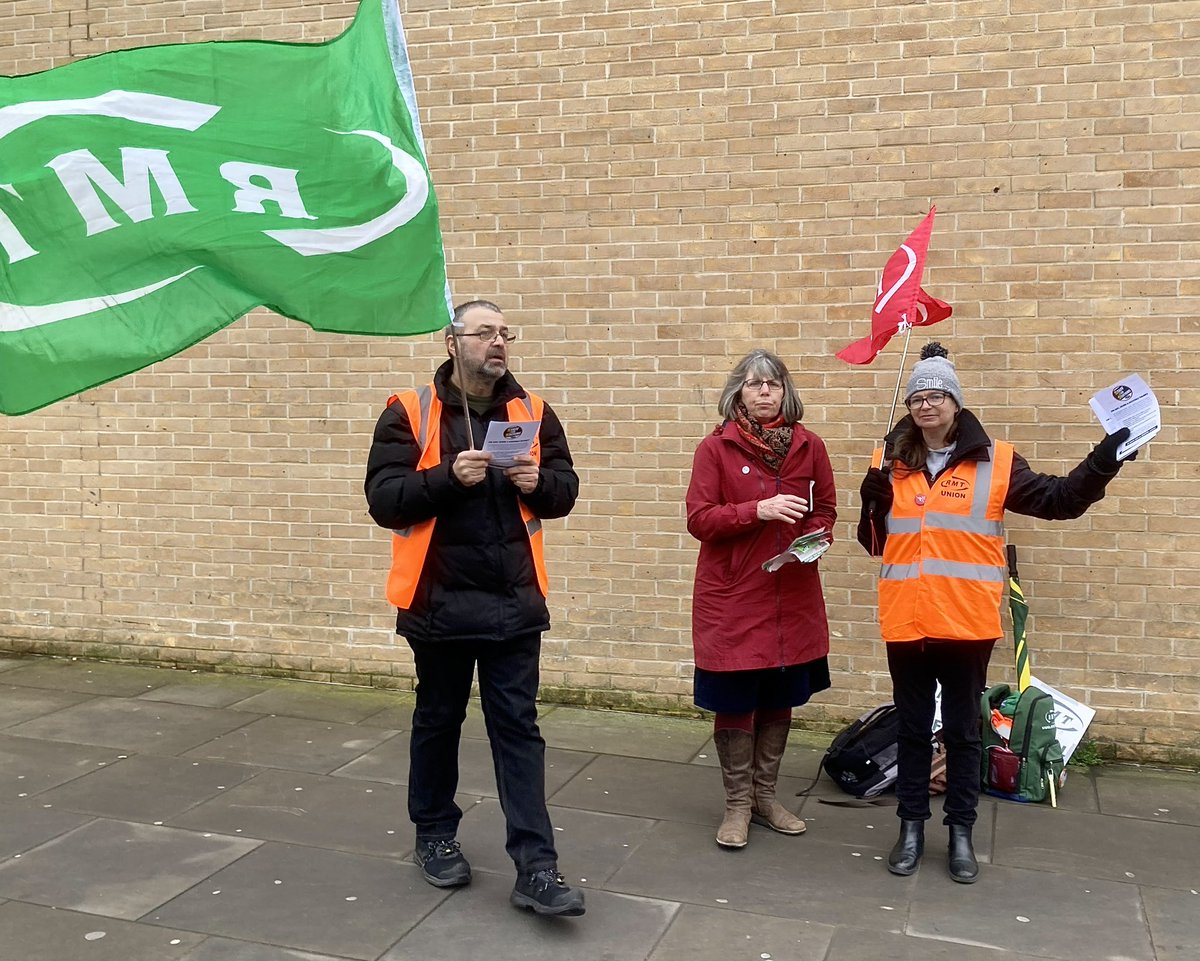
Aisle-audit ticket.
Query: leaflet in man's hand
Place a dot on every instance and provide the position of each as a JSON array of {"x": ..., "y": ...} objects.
[
  {"x": 805, "y": 549},
  {"x": 507, "y": 439}
]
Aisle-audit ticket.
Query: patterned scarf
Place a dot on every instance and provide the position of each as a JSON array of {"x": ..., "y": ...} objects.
[{"x": 770, "y": 442}]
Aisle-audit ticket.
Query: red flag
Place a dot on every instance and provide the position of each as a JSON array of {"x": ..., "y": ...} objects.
[{"x": 900, "y": 302}]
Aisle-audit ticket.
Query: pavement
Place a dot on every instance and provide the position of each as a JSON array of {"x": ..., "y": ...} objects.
[{"x": 152, "y": 815}]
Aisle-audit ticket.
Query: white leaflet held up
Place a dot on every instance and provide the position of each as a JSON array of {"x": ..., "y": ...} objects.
[
  {"x": 508, "y": 438},
  {"x": 1128, "y": 403}
]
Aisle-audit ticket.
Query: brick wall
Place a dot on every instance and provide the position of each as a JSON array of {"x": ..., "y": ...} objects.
[{"x": 651, "y": 189}]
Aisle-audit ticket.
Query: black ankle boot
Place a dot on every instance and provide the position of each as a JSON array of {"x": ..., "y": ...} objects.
[
  {"x": 906, "y": 855},
  {"x": 963, "y": 867}
]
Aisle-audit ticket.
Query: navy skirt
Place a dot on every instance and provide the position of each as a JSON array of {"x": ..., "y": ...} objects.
[{"x": 765, "y": 688}]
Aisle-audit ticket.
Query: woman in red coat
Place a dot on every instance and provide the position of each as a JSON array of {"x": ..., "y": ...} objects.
[{"x": 759, "y": 480}]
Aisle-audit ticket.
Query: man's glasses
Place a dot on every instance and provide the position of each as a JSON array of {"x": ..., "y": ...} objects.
[
  {"x": 757, "y": 385},
  {"x": 488, "y": 334},
  {"x": 936, "y": 399}
]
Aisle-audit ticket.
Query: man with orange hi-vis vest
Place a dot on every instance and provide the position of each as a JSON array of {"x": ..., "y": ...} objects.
[
  {"x": 933, "y": 510},
  {"x": 468, "y": 579}
]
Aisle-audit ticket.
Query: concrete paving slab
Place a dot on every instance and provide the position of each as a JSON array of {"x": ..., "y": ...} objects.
[
  {"x": 147, "y": 788},
  {"x": 26, "y": 824},
  {"x": 697, "y": 933},
  {"x": 131, "y": 725},
  {"x": 29, "y": 932},
  {"x": 1174, "y": 919},
  {"x": 116, "y": 868},
  {"x": 318, "y": 702},
  {"x": 226, "y": 949},
  {"x": 398, "y": 716},
  {"x": 28, "y": 767},
  {"x": 591, "y": 846},
  {"x": 200, "y": 689},
  {"x": 9, "y": 663},
  {"x": 630, "y": 735},
  {"x": 485, "y": 927},
  {"x": 292, "y": 743},
  {"x": 873, "y": 830},
  {"x": 476, "y": 774},
  {"x": 292, "y": 806},
  {"x": 1093, "y": 846},
  {"x": 326, "y": 902},
  {"x": 1054, "y": 914},
  {"x": 662, "y": 790},
  {"x": 640, "y": 827},
  {"x": 856, "y": 944},
  {"x": 88, "y": 677},
  {"x": 1150, "y": 793},
  {"x": 785, "y": 877},
  {"x": 19, "y": 704}
]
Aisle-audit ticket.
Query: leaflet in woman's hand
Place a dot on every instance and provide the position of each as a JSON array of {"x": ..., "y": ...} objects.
[
  {"x": 1128, "y": 403},
  {"x": 805, "y": 549}
]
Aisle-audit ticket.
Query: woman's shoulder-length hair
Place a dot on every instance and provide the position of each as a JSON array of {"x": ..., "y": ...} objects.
[{"x": 761, "y": 364}]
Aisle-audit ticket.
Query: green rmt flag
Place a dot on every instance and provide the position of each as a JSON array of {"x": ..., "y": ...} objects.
[{"x": 150, "y": 197}]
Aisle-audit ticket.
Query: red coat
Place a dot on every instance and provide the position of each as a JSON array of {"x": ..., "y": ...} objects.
[{"x": 743, "y": 617}]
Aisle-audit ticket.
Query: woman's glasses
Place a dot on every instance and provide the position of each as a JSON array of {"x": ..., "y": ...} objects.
[
  {"x": 936, "y": 399},
  {"x": 757, "y": 385}
]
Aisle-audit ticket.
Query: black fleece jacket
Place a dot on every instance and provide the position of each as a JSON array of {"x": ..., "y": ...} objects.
[{"x": 1046, "y": 496}]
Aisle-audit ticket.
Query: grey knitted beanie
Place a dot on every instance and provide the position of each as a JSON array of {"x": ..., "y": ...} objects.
[{"x": 934, "y": 372}]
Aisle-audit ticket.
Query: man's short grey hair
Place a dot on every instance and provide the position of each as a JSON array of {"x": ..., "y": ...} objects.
[
  {"x": 462, "y": 308},
  {"x": 761, "y": 364}
]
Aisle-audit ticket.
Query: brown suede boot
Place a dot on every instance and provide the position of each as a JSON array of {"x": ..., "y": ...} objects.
[
  {"x": 735, "y": 750},
  {"x": 769, "y": 742}
]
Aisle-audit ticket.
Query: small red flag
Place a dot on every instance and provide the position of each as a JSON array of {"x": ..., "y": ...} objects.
[{"x": 900, "y": 302}]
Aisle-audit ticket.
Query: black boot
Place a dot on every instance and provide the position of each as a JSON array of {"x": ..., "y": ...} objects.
[
  {"x": 906, "y": 855},
  {"x": 963, "y": 867}
]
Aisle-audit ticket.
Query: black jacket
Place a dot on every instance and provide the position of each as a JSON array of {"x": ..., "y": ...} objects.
[
  {"x": 1046, "y": 496},
  {"x": 478, "y": 582}
]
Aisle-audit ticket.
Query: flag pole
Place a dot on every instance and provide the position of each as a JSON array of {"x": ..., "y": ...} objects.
[
  {"x": 895, "y": 395},
  {"x": 456, "y": 327}
]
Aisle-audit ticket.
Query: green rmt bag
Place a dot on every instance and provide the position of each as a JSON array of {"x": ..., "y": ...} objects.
[{"x": 1021, "y": 767}]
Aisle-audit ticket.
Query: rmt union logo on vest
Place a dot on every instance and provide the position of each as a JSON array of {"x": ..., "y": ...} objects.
[{"x": 956, "y": 487}]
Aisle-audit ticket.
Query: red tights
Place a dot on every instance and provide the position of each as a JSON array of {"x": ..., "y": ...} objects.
[{"x": 751, "y": 719}]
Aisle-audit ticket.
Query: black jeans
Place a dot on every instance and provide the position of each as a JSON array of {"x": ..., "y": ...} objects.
[
  {"x": 916, "y": 667},
  {"x": 508, "y": 683}
]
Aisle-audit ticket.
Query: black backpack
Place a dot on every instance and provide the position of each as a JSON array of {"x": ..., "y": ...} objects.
[{"x": 862, "y": 758}]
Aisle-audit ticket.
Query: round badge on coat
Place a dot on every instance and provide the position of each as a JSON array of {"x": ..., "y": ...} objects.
[
  {"x": 745, "y": 470},
  {"x": 920, "y": 500}
]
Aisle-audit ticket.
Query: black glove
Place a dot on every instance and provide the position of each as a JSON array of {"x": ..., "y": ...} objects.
[
  {"x": 876, "y": 490},
  {"x": 1104, "y": 457}
]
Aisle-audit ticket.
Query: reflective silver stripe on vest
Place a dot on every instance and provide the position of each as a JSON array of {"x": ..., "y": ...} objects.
[
  {"x": 964, "y": 572},
  {"x": 903, "y": 525},
  {"x": 533, "y": 526},
  {"x": 527, "y": 403},
  {"x": 969, "y": 525},
  {"x": 983, "y": 482},
  {"x": 899, "y": 572},
  {"x": 424, "y": 402}
]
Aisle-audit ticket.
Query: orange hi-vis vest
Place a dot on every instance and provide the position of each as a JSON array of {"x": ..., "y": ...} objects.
[
  {"x": 944, "y": 567},
  {"x": 410, "y": 545}
]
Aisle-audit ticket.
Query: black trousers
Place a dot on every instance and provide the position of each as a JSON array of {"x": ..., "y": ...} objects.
[
  {"x": 916, "y": 667},
  {"x": 508, "y": 684}
]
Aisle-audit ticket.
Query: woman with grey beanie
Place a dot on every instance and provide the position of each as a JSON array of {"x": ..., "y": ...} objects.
[{"x": 933, "y": 506}]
